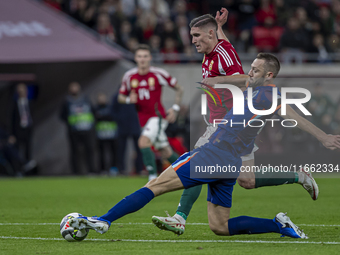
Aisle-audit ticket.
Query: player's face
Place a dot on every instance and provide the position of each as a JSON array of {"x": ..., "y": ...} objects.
[
  {"x": 257, "y": 73},
  {"x": 143, "y": 58},
  {"x": 200, "y": 38}
]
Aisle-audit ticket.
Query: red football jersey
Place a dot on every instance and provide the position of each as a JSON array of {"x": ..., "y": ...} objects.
[
  {"x": 223, "y": 60},
  {"x": 149, "y": 90}
]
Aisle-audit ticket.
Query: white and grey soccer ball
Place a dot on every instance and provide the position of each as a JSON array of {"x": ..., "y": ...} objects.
[{"x": 69, "y": 233}]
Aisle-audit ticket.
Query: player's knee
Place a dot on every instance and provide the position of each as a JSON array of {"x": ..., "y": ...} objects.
[
  {"x": 166, "y": 152},
  {"x": 220, "y": 230},
  {"x": 247, "y": 183},
  {"x": 153, "y": 187},
  {"x": 144, "y": 142}
]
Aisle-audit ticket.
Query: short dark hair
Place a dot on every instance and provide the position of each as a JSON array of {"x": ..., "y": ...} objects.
[
  {"x": 271, "y": 64},
  {"x": 143, "y": 47},
  {"x": 203, "y": 20}
]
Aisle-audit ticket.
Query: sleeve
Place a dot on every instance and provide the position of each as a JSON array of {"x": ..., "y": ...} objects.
[
  {"x": 125, "y": 87},
  {"x": 228, "y": 60},
  {"x": 164, "y": 78}
]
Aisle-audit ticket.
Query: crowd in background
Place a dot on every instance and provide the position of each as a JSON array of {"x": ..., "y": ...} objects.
[
  {"x": 285, "y": 26},
  {"x": 97, "y": 132}
]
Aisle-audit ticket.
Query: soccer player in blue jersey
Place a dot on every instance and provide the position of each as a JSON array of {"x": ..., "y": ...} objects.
[{"x": 225, "y": 148}]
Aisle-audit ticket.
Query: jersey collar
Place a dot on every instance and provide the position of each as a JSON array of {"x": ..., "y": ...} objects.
[{"x": 213, "y": 51}]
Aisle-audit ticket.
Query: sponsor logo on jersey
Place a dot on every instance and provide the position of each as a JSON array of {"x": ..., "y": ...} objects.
[
  {"x": 134, "y": 83},
  {"x": 206, "y": 63},
  {"x": 211, "y": 65}
]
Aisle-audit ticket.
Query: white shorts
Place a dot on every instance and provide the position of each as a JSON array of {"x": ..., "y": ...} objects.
[
  {"x": 209, "y": 131},
  {"x": 154, "y": 129}
]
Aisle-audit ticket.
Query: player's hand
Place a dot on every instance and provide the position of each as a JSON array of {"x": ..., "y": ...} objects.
[
  {"x": 171, "y": 115},
  {"x": 209, "y": 81},
  {"x": 332, "y": 142},
  {"x": 221, "y": 18},
  {"x": 133, "y": 97}
]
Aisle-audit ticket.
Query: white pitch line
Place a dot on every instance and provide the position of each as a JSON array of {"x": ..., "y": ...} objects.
[
  {"x": 171, "y": 241},
  {"x": 147, "y": 223}
]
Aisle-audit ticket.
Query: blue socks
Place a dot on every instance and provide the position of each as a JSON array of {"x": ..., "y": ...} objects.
[
  {"x": 129, "y": 204},
  {"x": 250, "y": 225}
]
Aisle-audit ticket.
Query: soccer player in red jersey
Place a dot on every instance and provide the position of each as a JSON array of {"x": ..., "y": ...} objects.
[
  {"x": 221, "y": 64},
  {"x": 143, "y": 86}
]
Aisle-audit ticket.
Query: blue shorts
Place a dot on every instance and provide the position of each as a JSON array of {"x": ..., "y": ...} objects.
[{"x": 219, "y": 189}]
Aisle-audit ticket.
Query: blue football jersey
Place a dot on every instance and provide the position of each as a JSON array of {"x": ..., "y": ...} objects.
[{"x": 237, "y": 135}]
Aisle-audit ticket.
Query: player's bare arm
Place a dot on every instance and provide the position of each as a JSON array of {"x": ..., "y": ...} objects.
[
  {"x": 173, "y": 111},
  {"x": 239, "y": 80},
  {"x": 221, "y": 18},
  {"x": 131, "y": 99},
  {"x": 331, "y": 142}
]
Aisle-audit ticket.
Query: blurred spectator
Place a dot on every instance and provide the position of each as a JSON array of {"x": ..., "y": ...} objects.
[
  {"x": 267, "y": 38},
  {"x": 155, "y": 44},
  {"x": 84, "y": 12},
  {"x": 127, "y": 128},
  {"x": 104, "y": 27},
  {"x": 189, "y": 54},
  {"x": 77, "y": 113},
  {"x": 319, "y": 47},
  {"x": 244, "y": 11},
  {"x": 106, "y": 130},
  {"x": 283, "y": 12},
  {"x": 125, "y": 32},
  {"x": 326, "y": 21},
  {"x": 147, "y": 23},
  {"x": 265, "y": 11},
  {"x": 169, "y": 31},
  {"x": 129, "y": 8},
  {"x": 169, "y": 52},
  {"x": 132, "y": 44},
  {"x": 22, "y": 122},
  {"x": 183, "y": 31},
  {"x": 10, "y": 160},
  {"x": 293, "y": 42},
  {"x": 180, "y": 8}
]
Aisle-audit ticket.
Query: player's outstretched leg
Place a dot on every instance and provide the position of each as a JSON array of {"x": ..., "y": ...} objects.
[
  {"x": 308, "y": 183},
  {"x": 280, "y": 224},
  {"x": 302, "y": 177},
  {"x": 220, "y": 224},
  {"x": 176, "y": 223},
  {"x": 166, "y": 182}
]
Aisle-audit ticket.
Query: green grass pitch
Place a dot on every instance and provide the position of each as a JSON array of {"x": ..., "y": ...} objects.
[{"x": 31, "y": 202}]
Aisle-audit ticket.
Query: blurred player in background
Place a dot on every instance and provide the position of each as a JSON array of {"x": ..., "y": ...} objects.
[
  {"x": 143, "y": 86},
  {"x": 221, "y": 64},
  {"x": 77, "y": 113},
  {"x": 106, "y": 131},
  {"x": 223, "y": 148},
  {"x": 22, "y": 122}
]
